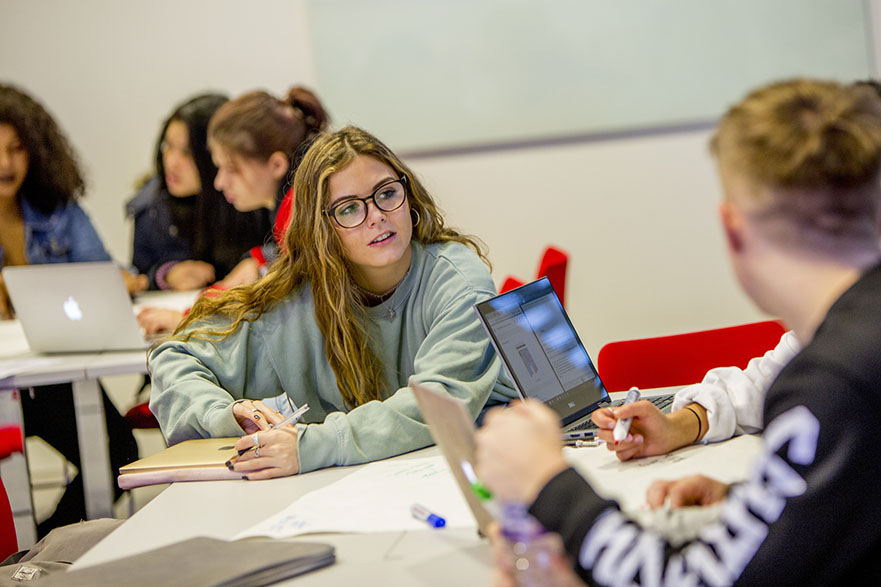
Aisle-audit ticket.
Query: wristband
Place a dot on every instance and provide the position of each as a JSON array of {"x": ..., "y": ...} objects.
[{"x": 162, "y": 272}]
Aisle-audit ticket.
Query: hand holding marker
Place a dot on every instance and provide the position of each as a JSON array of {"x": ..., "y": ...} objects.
[{"x": 622, "y": 426}]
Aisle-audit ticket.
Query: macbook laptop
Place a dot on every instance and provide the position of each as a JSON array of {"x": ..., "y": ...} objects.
[
  {"x": 544, "y": 355},
  {"x": 73, "y": 307}
]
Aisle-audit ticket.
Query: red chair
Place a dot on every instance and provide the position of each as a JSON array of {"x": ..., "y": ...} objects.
[
  {"x": 11, "y": 441},
  {"x": 553, "y": 266},
  {"x": 683, "y": 359},
  {"x": 140, "y": 416}
]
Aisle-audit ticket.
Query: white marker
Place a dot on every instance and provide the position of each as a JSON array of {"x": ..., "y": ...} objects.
[{"x": 622, "y": 426}]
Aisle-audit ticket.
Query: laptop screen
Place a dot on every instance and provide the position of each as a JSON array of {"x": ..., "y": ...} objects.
[{"x": 532, "y": 333}]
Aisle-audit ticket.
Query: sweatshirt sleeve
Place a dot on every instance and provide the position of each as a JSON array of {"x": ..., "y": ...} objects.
[
  {"x": 196, "y": 382},
  {"x": 734, "y": 398},
  {"x": 454, "y": 357}
]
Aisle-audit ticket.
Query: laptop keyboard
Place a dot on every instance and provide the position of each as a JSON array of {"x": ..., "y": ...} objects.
[{"x": 661, "y": 401}]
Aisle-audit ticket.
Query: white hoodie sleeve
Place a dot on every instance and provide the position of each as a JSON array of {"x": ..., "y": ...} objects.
[{"x": 735, "y": 398}]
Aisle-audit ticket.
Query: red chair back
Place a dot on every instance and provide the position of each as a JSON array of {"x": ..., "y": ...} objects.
[
  {"x": 8, "y": 538},
  {"x": 683, "y": 359},
  {"x": 553, "y": 266},
  {"x": 11, "y": 440},
  {"x": 510, "y": 283}
]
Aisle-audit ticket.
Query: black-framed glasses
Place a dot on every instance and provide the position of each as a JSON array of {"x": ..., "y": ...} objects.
[{"x": 388, "y": 197}]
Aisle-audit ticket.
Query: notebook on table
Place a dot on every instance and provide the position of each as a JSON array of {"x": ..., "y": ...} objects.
[
  {"x": 204, "y": 561},
  {"x": 202, "y": 459},
  {"x": 74, "y": 307},
  {"x": 544, "y": 356}
]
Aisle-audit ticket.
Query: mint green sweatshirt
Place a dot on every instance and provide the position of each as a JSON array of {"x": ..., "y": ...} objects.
[{"x": 432, "y": 333}]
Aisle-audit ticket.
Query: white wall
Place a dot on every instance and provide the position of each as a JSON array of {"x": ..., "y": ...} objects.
[
  {"x": 637, "y": 215},
  {"x": 112, "y": 71}
]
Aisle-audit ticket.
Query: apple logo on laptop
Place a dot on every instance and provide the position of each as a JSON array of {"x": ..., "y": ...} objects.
[{"x": 72, "y": 309}]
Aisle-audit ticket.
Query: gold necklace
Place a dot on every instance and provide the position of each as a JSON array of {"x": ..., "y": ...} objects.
[{"x": 385, "y": 296}]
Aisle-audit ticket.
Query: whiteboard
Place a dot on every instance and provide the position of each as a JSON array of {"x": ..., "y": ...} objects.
[{"x": 430, "y": 74}]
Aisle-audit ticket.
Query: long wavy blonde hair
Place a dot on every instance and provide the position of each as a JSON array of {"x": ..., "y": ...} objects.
[{"x": 313, "y": 254}]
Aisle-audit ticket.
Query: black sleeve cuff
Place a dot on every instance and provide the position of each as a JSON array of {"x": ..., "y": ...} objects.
[{"x": 568, "y": 505}]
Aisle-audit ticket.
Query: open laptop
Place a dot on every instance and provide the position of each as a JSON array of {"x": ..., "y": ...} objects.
[
  {"x": 544, "y": 355},
  {"x": 73, "y": 307}
]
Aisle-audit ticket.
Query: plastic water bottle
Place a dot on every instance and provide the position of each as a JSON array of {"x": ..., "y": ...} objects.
[{"x": 532, "y": 547}]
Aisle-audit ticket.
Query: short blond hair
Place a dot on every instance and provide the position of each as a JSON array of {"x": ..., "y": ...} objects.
[{"x": 812, "y": 152}]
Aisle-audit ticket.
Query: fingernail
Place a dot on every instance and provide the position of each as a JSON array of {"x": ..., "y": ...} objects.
[
  {"x": 243, "y": 451},
  {"x": 245, "y": 477}
]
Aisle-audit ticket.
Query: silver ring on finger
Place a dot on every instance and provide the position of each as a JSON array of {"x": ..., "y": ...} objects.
[
  {"x": 257, "y": 452},
  {"x": 256, "y": 440}
]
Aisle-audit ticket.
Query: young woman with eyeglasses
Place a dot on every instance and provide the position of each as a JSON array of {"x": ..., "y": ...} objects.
[{"x": 372, "y": 288}]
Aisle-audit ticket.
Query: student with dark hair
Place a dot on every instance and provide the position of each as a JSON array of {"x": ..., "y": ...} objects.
[
  {"x": 186, "y": 235},
  {"x": 256, "y": 140},
  {"x": 41, "y": 222},
  {"x": 800, "y": 164}
]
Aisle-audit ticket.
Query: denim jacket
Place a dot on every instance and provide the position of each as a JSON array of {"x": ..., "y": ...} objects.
[{"x": 64, "y": 236}]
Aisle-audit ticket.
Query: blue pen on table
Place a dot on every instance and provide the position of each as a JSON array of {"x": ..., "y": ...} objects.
[
  {"x": 622, "y": 426},
  {"x": 423, "y": 513},
  {"x": 290, "y": 419}
]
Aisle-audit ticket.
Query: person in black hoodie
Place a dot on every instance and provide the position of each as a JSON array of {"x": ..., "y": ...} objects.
[{"x": 799, "y": 163}]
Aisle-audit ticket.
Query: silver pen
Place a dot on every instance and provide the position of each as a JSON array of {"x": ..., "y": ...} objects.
[
  {"x": 293, "y": 417},
  {"x": 290, "y": 419}
]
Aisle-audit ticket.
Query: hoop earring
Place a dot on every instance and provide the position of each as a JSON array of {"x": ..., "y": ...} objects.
[{"x": 415, "y": 222}]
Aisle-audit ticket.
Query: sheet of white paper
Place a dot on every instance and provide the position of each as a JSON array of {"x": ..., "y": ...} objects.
[
  {"x": 376, "y": 498},
  {"x": 173, "y": 300},
  {"x": 728, "y": 461}
]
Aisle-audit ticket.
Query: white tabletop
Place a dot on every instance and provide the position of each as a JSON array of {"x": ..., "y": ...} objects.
[
  {"x": 21, "y": 368},
  {"x": 222, "y": 509}
]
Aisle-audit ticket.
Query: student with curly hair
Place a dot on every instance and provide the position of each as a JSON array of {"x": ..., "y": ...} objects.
[
  {"x": 372, "y": 288},
  {"x": 41, "y": 222}
]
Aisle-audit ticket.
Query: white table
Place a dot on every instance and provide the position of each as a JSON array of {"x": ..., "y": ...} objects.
[
  {"x": 222, "y": 509},
  {"x": 82, "y": 370}
]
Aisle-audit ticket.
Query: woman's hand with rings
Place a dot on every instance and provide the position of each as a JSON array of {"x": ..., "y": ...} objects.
[
  {"x": 254, "y": 416},
  {"x": 267, "y": 453}
]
